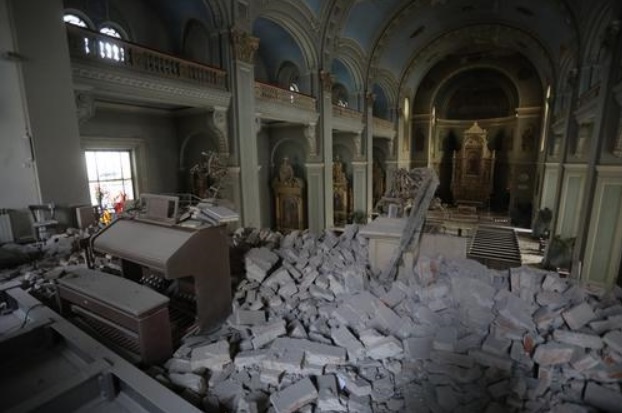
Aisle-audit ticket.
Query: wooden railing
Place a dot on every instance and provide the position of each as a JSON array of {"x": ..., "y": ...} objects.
[
  {"x": 88, "y": 45},
  {"x": 588, "y": 95},
  {"x": 340, "y": 111},
  {"x": 383, "y": 124},
  {"x": 276, "y": 94}
]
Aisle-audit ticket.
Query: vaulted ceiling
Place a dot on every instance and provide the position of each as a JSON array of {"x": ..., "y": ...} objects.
[{"x": 397, "y": 43}]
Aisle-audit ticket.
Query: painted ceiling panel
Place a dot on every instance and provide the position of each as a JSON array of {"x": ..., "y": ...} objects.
[
  {"x": 342, "y": 75},
  {"x": 366, "y": 18},
  {"x": 421, "y": 25},
  {"x": 276, "y": 46}
]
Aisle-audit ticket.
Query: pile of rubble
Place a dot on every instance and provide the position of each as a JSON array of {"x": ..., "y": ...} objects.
[{"x": 313, "y": 330}]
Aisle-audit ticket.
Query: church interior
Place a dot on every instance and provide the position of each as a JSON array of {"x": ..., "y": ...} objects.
[{"x": 311, "y": 205}]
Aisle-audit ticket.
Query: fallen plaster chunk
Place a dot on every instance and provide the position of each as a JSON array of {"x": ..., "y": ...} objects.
[
  {"x": 344, "y": 338},
  {"x": 247, "y": 317},
  {"x": 328, "y": 395},
  {"x": 294, "y": 397},
  {"x": 614, "y": 340},
  {"x": 603, "y": 398},
  {"x": 445, "y": 339},
  {"x": 212, "y": 357},
  {"x": 553, "y": 354},
  {"x": 190, "y": 381},
  {"x": 264, "y": 334},
  {"x": 579, "y": 316},
  {"x": 578, "y": 339}
]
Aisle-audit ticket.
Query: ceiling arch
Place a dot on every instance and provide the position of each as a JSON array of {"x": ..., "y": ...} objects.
[
  {"x": 298, "y": 20},
  {"x": 473, "y": 42}
]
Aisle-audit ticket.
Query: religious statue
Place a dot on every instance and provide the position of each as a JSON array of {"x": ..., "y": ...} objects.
[
  {"x": 341, "y": 204},
  {"x": 289, "y": 198},
  {"x": 286, "y": 172},
  {"x": 378, "y": 177}
]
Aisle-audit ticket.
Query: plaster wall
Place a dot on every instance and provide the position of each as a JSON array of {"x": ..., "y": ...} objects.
[
  {"x": 18, "y": 186},
  {"x": 160, "y": 144},
  {"x": 48, "y": 92}
]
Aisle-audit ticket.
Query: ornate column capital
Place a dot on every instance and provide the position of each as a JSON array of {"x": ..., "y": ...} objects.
[{"x": 244, "y": 45}]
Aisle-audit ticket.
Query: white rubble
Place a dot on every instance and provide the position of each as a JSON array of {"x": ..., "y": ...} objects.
[{"x": 313, "y": 330}]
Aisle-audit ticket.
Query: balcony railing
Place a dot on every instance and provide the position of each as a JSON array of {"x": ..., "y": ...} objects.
[
  {"x": 88, "y": 45},
  {"x": 276, "y": 94},
  {"x": 340, "y": 111},
  {"x": 589, "y": 95},
  {"x": 383, "y": 124}
]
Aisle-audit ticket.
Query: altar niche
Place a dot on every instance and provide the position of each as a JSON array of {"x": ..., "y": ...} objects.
[
  {"x": 473, "y": 168},
  {"x": 289, "y": 199}
]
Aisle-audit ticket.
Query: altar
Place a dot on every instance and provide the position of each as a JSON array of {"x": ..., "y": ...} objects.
[{"x": 473, "y": 168}]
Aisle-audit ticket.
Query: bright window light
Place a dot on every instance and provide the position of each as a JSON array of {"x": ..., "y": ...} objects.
[{"x": 110, "y": 176}]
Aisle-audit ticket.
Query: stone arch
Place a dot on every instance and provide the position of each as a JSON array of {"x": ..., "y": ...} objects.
[
  {"x": 386, "y": 80},
  {"x": 195, "y": 42},
  {"x": 595, "y": 46},
  {"x": 299, "y": 21},
  {"x": 287, "y": 74},
  {"x": 353, "y": 57}
]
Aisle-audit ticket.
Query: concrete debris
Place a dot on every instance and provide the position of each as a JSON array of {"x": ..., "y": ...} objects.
[{"x": 313, "y": 329}]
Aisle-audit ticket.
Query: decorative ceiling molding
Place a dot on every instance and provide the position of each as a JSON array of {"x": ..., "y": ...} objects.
[
  {"x": 118, "y": 83},
  {"x": 333, "y": 17}
]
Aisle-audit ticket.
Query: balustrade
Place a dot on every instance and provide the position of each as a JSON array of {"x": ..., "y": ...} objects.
[
  {"x": 278, "y": 95},
  {"x": 88, "y": 45}
]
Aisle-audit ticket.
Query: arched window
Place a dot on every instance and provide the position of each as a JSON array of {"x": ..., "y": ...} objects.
[
  {"x": 109, "y": 49},
  {"x": 340, "y": 95},
  {"x": 75, "y": 20}
]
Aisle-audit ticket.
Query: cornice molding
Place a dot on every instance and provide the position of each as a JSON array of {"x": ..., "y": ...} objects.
[{"x": 119, "y": 83}]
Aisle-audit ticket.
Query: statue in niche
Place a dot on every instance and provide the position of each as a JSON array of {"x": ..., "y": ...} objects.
[
  {"x": 528, "y": 139},
  {"x": 289, "y": 199},
  {"x": 379, "y": 180},
  {"x": 340, "y": 192}
]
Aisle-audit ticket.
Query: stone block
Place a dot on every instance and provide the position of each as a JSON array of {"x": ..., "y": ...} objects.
[
  {"x": 445, "y": 339},
  {"x": 264, "y": 334},
  {"x": 343, "y": 337},
  {"x": 578, "y": 339},
  {"x": 246, "y": 317},
  {"x": 602, "y": 398},
  {"x": 444, "y": 357},
  {"x": 190, "y": 381},
  {"x": 328, "y": 395},
  {"x": 491, "y": 360},
  {"x": 579, "y": 316},
  {"x": 418, "y": 348},
  {"x": 294, "y": 397},
  {"x": 494, "y": 345},
  {"x": 212, "y": 356},
  {"x": 551, "y": 354},
  {"x": 387, "y": 347},
  {"x": 614, "y": 340}
]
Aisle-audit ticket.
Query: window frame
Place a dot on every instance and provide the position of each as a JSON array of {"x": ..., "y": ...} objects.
[{"x": 136, "y": 147}]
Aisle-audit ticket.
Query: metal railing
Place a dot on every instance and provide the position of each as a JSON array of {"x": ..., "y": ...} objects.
[
  {"x": 92, "y": 46},
  {"x": 283, "y": 96}
]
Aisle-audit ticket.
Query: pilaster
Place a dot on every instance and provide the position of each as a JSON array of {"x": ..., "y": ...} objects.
[
  {"x": 326, "y": 133},
  {"x": 368, "y": 133},
  {"x": 315, "y": 196},
  {"x": 243, "y": 86}
]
